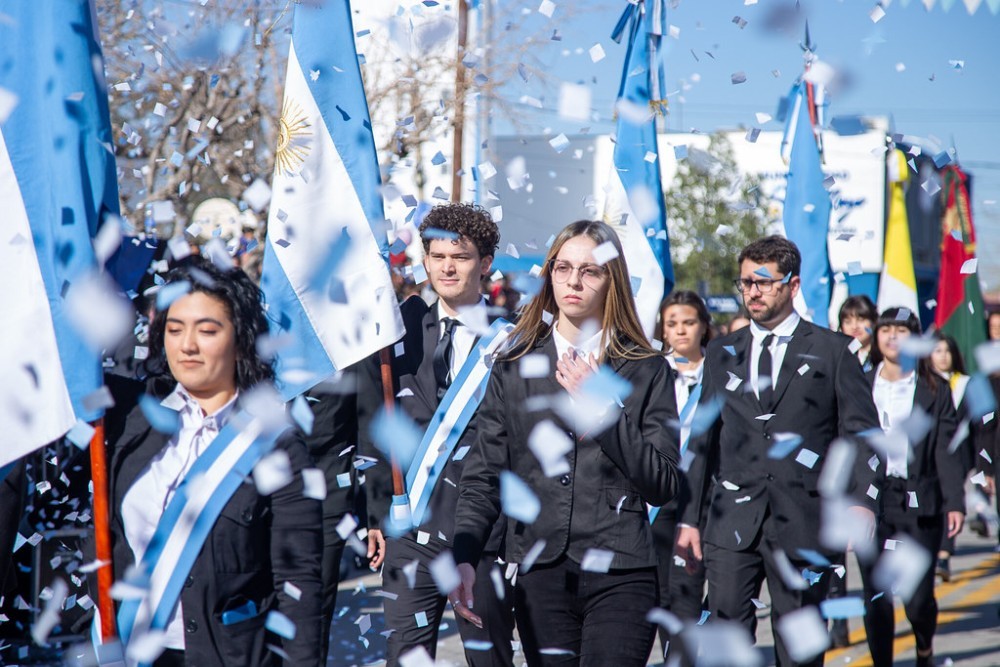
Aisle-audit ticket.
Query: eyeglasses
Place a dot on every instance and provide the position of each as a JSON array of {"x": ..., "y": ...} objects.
[
  {"x": 591, "y": 275},
  {"x": 765, "y": 286}
]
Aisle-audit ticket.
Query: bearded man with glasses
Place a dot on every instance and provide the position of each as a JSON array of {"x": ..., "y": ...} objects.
[{"x": 784, "y": 390}]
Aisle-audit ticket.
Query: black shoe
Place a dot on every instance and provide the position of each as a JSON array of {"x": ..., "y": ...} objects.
[
  {"x": 925, "y": 660},
  {"x": 944, "y": 569},
  {"x": 978, "y": 525},
  {"x": 839, "y": 634}
]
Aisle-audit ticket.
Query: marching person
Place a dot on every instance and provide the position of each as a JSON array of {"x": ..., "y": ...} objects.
[
  {"x": 442, "y": 354},
  {"x": 857, "y": 318},
  {"x": 591, "y": 459},
  {"x": 922, "y": 493},
  {"x": 247, "y": 553},
  {"x": 686, "y": 330},
  {"x": 947, "y": 362},
  {"x": 780, "y": 375}
]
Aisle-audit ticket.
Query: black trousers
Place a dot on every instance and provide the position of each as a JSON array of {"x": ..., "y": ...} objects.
[
  {"x": 921, "y": 609},
  {"x": 333, "y": 551},
  {"x": 734, "y": 577},
  {"x": 681, "y": 592},
  {"x": 401, "y": 613},
  {"x": 569, "y": 617}
]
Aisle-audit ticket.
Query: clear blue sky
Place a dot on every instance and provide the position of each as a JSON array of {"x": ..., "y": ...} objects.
[{"x": 929, "y": 97}]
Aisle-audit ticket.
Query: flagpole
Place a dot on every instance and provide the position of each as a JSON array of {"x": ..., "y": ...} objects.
[
  {"x": 389, "y": 398},
  {"x": 456, "y": 149},
  {"x": 102, "y": 531}
]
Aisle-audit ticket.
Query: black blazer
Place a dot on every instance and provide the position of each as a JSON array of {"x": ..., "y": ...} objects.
[
  {"x": 821, "y": 395},
  {"x": 601, "y": 503},
  {"x": 936, "y": 476},
  {"x": 413, "y": 376},
  {"x": 257, "y": 544}
]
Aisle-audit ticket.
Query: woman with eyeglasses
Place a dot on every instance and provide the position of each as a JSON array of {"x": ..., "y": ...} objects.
[
  {"x": 922, "y": 494},
  {"x": 574, "y": 441}
]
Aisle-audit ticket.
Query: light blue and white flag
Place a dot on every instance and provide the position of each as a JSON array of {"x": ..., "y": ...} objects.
[
  {"x": 57, "y": 186},
  {"x": 806, "y": 213},
  {"x": 326, "y": 275},
  {"x": 634, "y": 193}
]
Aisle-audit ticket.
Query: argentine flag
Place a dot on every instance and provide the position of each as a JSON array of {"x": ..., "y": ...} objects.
[
  {"x": 57, "y": 185},
  {"x": 806, "y": 212},
  {"x": 634, "y": 193},
  {"x": 326, "y": 276}
]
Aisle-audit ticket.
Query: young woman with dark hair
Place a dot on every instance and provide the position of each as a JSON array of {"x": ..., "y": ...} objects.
[
  {"x": 686, "y": 328},
  {"x": 249, "y": 552},
  {"x": 587, "y": 561},
  {"x": 857, "y": 319},
  {"x": 922, "y": 494}
]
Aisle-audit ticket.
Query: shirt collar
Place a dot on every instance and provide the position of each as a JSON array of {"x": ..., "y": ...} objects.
[
  {"x": 585, "y": 347},
  {"x": 908, "y": 379},
  {"x": 689, "y": 377},
  {"x": 784, "y": 329},
  {"x": 441, "y": 315},
  {"x": 180, "y": 400}
]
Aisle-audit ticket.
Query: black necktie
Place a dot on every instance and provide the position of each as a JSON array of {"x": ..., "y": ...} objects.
[
  {"x": 442, "y": 356},
  {"x": 764, "y": 388}
]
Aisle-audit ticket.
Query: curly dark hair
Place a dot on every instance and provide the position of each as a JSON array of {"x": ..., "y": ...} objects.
[
  {"x": 467, "y": 220},
  {"x": 775, "y": 249},
  {"x": 242, "y": 300}
]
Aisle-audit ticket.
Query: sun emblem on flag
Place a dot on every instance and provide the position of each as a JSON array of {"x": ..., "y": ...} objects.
[{"x": 293, "y": 128}]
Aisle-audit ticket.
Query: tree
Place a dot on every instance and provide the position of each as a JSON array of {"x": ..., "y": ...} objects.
[{"x": 713, "y": 212}]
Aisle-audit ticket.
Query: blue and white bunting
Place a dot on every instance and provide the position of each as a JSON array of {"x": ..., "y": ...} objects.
[
  {"x": 57, "y": 185},
  {"x": 326, "y": 274},
  {"x": 634, "y": 192}
]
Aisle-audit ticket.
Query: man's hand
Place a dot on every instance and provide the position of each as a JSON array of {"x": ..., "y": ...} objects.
[
  {"x": 955, "y": 522},
  {"x": 688, "y": 546},
  {"x": 866, "y": 518},
  {"x": 376, "y": 549},
  {"x": 462, "y": 598}
]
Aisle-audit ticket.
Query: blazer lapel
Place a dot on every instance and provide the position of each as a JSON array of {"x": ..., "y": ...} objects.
[
  {"x": 151, "y": 442},
  {"x": 799, "y": 345}
]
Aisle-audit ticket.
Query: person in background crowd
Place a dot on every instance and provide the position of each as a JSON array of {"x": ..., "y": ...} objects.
[
  {"x": 459, "y": 242},
  {"x": 780, "y": 375},
  {"x": 738, "y": 322},
  {"x": 922, "y": 494},
  {"x": 947, "y": 362},
  {"x": 592, "y": 481},
  {"x": 685, "y": 329},
  {"x": 203, "y": 359},
  {"x": 993, "y": 325},
  {"x": 857, "y": 317}
]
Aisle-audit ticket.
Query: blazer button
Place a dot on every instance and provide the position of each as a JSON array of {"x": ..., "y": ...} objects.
[
  {"x": 564, "y": 480},
  {"x": 189, "y": 582},
  {"x": 770, "y": 477},
  {"x": 192, "y": 625},
  {"x": 247, "y": 514}
]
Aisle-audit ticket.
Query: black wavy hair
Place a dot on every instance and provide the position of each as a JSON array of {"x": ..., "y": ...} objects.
[
  {"x": 957, "y": 361},
  {"x": 467, "y": 220},
  {"x": 685, "y": 297},
  {"x": 895, "y": 316},
  {"x": 775, "y": 249},
  {"x": 243, "y": 302}
]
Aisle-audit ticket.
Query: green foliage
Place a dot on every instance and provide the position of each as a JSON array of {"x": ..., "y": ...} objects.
[{"x": 712, "y": 213}]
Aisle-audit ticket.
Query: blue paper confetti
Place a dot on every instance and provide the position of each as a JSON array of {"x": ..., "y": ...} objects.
[
  {"x": 517, "y": 500},
  {"x": 161, "y": 418}
]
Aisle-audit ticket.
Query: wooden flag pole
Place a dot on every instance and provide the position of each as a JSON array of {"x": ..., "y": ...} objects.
[
  {"x": 389, "y": 397},
  {"x": 457, "y": 137},
  {"x": 102, "y": 531}
]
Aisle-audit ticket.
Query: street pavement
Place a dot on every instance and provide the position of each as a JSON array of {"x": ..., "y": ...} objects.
[{"x": 968, "y": 624}]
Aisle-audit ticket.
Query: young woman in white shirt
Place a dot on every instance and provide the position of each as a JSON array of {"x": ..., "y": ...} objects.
[
  {"x": 578, "y": 410},
  {"x": 922, "y": 494},
  {"x": 686, "y": 328}
]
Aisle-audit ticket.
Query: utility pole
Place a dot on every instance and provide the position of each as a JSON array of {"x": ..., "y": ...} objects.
[{"x": 456, "y": 151}]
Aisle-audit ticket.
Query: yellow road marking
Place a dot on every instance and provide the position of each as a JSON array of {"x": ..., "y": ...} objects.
[{"x": 959, "y": 582}]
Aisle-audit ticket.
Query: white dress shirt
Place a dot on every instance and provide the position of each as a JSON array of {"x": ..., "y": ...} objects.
[
  {"x": 894, "y": 401},
  {"x": 147, "y": 498},
  {"x": 463, "y": 337},
  {"x": 683, "y": 385},
  {"x": 782, "y": 336},
  {"x": 584, "y": 348}
]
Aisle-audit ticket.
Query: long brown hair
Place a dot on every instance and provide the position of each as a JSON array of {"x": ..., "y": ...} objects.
[{"x": 623, "y": 337}]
